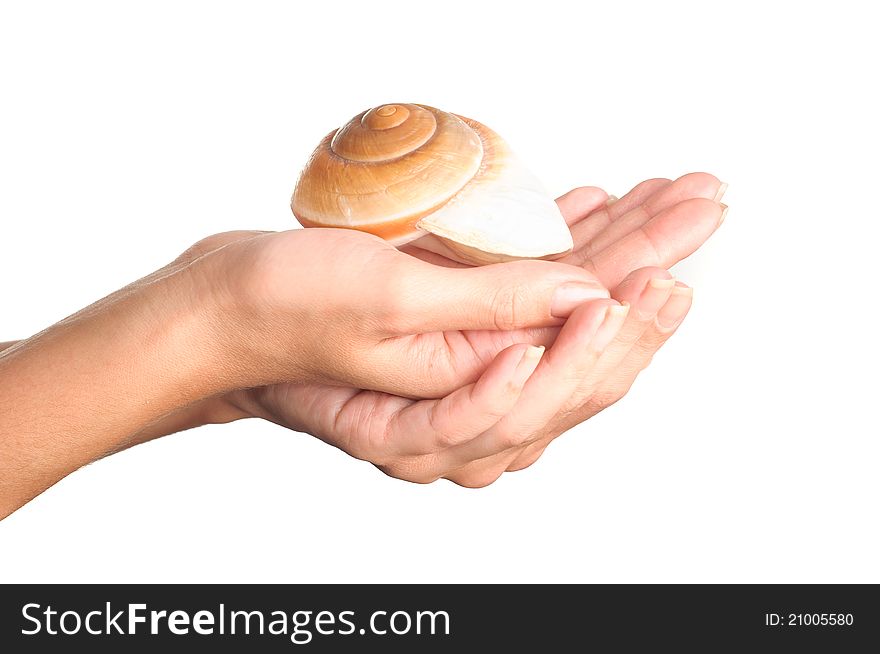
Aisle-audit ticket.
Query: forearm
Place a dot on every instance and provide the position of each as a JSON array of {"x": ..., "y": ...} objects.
[
  {"x": 215, "y": 410},
  {"x": 90, "y": 384}
]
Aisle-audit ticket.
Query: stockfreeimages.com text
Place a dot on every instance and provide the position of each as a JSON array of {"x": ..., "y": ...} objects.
[{"x": 300, "y": 626}]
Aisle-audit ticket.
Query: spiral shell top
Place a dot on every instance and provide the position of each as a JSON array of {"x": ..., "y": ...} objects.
[{"x": 401, "y": 170}]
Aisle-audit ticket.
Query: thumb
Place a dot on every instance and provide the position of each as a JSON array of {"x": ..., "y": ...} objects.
[{"x": 502, "y": 296}]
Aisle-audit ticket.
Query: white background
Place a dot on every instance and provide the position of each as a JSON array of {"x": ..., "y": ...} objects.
[{"x": 747, "y": 452}]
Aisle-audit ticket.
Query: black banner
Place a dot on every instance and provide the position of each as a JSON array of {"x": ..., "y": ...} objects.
[{"x": 414, "y": 618}]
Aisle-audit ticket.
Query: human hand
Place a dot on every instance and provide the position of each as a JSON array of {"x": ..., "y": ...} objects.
[
  {"x": 648, "y": 222},
  {"x": 507, "y": 418},
  {"x": 389, "y": 322},
  {"x": 657, "y": 229},
  {"x": 233, "y": 299},
  {"x": 234, "y": 313},
  {"x": 334, "y": 306}
]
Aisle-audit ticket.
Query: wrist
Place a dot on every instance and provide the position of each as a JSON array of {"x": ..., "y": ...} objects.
[
  {"x": 167, "y": 324},
  {"x": 196, "y": 335},
  {"x": 251, "y": 326}
]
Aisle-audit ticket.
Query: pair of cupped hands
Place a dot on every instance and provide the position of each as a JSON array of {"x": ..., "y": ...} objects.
[{"x": 432, "y": 369}]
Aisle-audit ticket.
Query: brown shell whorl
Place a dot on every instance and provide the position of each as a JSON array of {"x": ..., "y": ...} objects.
[
  {"x": 386, "y": 168},
  {"x": 385, "y": 132}
]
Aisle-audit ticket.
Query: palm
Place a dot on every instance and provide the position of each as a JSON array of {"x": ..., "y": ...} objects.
[{"x": 657, "y": 224}]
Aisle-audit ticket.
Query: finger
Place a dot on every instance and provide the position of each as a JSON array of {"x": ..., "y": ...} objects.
[
  {"x": 692, "y": 185},
  {"x": 579, "y": 345},
  {"x": 434, "y": 425},
  {"x": 617, "y": 384},
  {"x": 449, "y": 359},
  {"x": 670, "y": 317},
  {"x": 663, "y": 241},
  {"x": 580, "y": 202},
  {"x": 334, "y": 414},
  {"x": 645, "y": 291},
  {"x": 503, "y": 296},
  {"x": 584, "y": 231}
]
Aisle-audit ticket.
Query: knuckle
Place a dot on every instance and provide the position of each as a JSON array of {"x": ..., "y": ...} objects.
[
  {"x": 390, "y": 302},
  {"x": 646, "y": 347},
  {"x": 495, "y": 404},
  {"x": 391, "y": 316},
  {"x": 498, "y": 408},
  {"x": 509, "y": 437},
  {"x": 506, "y": 309},
  {"x": 439, "y": 373},
  {"x": 450, "y": 438},
  {"x": 445, "y": 434},
  {"x": 528, "y": 459},
  {"x": 650, "y": 272},
  {"x": 411, "y": 469},
  {"x": 477, "y": 479},
  {"x": 605, "y": 398}
]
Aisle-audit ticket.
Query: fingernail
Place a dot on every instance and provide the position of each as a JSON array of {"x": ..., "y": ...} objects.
[
  {"x": 720, "y": 192},
  {"x": 654, "y": 296},
  {"x": 660, "y": 282},
  {"x": 527, "y": 364},
  {"x": 723, "y": 213},
  {"x": 614, "y": 317},
  {"x": 611, "y": 200},
  {"x": 569, "y": 297},
  {"x": 676, "y": 307}
]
